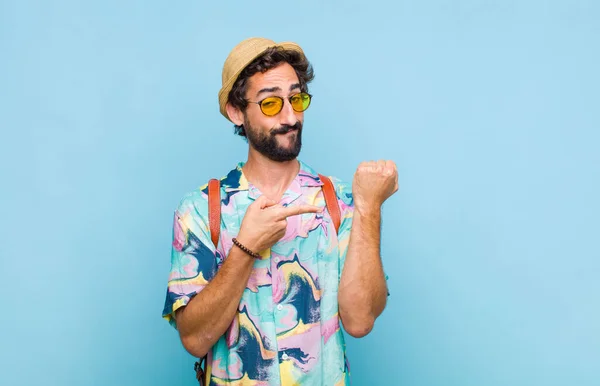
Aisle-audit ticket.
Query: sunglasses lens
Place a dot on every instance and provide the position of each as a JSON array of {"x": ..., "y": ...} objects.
[
  {"x": 271, "y": 106},
  {"x": 300, "y": 102}
]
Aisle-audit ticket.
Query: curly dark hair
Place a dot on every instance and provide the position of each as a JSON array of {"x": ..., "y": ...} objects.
[{"x": 271, "y": 58}]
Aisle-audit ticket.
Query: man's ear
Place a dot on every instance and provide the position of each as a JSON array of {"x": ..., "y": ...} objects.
[{"x": 235, "y": 115}]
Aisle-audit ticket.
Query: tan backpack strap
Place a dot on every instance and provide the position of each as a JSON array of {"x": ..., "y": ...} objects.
[
  {"x": 214, "y": 225},
  {"x": 214, "y": 210},
  {"x": 331, "y": 201}
]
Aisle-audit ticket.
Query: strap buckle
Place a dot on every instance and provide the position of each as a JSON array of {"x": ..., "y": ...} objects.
[{"x": 200, "y": 374}]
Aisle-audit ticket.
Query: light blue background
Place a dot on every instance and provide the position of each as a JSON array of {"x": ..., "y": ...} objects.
[{"x": 108, "y": 115}]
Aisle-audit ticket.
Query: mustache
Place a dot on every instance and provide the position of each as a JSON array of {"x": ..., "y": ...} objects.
[{"x": 287, "y": 128}]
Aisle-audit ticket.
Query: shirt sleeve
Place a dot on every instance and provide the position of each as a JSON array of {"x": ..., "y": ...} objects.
[
  {"x": 194, "y": 259},
  {"x": 346, "y": 203}
]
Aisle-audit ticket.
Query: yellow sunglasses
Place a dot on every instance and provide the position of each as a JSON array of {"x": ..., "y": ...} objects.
[{"x": 272, "y": 105}]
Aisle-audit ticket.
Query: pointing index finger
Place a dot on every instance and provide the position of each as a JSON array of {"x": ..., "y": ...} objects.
[{"x": 296, "y": 210}]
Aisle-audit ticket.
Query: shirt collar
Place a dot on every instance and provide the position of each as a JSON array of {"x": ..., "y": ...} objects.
[{"x": 236, "y": 180}]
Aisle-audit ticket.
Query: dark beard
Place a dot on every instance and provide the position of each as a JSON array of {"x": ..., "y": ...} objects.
[{"x": 266, "y": 144}]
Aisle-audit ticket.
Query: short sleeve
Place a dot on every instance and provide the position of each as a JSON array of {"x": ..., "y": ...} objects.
[
  {"x": 194, "y": 260},
  {"x": 346, "y": 203}
]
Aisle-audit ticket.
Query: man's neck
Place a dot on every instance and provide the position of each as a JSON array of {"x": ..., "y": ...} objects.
[{"x": 272, "y": 178}]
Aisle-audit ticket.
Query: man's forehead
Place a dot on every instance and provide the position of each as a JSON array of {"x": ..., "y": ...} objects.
[{"x": 282, "y": 77}]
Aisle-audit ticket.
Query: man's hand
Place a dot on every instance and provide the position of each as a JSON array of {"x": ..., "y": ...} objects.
[
  {"x": 374, "y": 182},
  {"x": 265, "y": 222}
]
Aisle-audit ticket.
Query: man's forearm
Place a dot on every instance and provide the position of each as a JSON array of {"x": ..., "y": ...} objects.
[
  {"x": 208, "y": 315},
  {"x": 363, "y": 292}
]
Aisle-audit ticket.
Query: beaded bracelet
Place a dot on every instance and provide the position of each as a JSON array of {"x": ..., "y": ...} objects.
[{"x": 243, "y": 248}]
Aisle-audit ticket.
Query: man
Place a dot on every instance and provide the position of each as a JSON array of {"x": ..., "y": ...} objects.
[{"x": 265, "y": 303}]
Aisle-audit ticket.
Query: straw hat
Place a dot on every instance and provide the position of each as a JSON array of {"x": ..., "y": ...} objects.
[{"x": 240, "y": 57}]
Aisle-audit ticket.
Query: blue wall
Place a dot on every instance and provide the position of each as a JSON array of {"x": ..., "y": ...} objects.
[{"x": 491, "y": 109}]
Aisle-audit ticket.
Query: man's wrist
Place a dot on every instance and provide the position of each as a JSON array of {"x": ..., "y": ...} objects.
[
  {"x": 368, "y": 210},
  {"x": 246, "y": 249}
]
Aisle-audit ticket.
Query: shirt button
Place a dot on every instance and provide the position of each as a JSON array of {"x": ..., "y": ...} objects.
[
  {"x": 279, "y": 307},
  {"x": 277, "y": 259},
  {"x": 285, "y": 357}
]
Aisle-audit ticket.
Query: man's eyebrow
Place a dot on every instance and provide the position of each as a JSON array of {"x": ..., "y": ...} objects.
[
  {"x": 270, "y": 89},
  {"x": 293, "y": 87}
]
